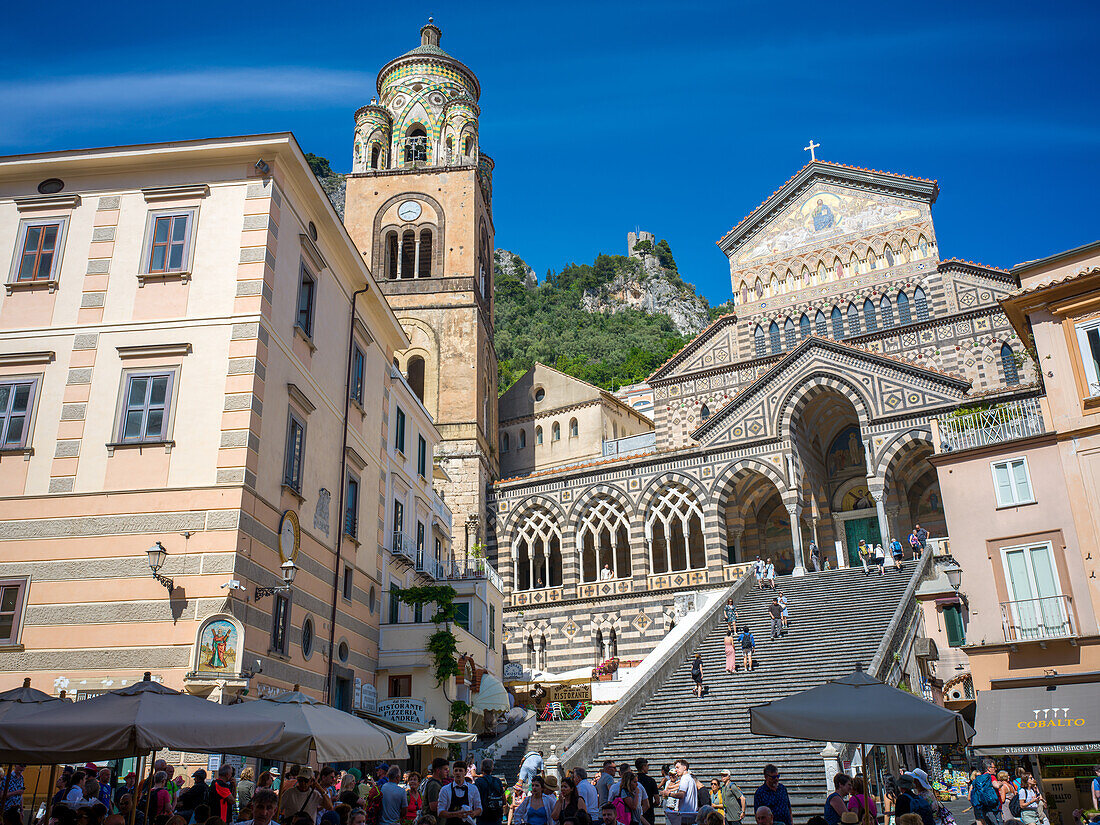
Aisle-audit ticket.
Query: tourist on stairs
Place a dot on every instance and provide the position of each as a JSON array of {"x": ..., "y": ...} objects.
[
  {"x": 880, "y": 559},
  {"x": 697, "y": 675},
  {"x": 733, "y": 799},
  {"x": 815, "y": 556},
  {"x": 897, "y": 551},
  {"x": 537, "y": 807},
  {"x": 748, "y": 645},
  {"x": 865, "y": 557},
  {"x": 776, "y": 612},
  {"x": 730, "y": 614},
  {"x": 783, "y": 605},
  {"x": 769, "y": 575},
  {"x": 731, "y": 653}
]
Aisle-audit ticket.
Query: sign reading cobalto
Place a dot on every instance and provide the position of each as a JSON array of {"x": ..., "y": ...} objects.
[{"x": 1050, "y": 717}]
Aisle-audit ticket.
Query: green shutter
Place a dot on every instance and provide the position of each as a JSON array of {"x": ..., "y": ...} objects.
[{"x": 952, "y": 617}]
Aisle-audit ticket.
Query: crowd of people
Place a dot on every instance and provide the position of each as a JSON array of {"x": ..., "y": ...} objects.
[{"x": 457, "y": 793}]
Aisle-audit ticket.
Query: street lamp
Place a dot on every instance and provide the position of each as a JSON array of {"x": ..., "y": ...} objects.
[
  {"x": 289, "y": 569},
  {"x": 156, "y": 555},
  {"x": 954, "y": 575}
]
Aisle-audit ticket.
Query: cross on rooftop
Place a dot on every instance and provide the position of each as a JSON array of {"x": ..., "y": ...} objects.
[{"x": 811, "y": 148}]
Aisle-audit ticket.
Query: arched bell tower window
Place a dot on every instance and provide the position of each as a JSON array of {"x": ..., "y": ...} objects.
[
  {"x": 424, "y": 254},
  {"x": 922, "y": 304},
  {"x": 467, "y": 146},
  {"x": 407, "y": 264},
  {"x": 790, "y": 340},
  {"x": 391, "y": 255},
  {"x": 376, "y": 156},
  {"x": 836, "y": 320},
  {"x": 450, "y": 149},
  {"x": 415, "y": 376},
  {"x": 820, "y": 326},
  {"x": 904, "y": 315},
  {"x": 773, "y": 338},
  {"x": 416, "y": 145},
  {"x": 758, "y": 341}
]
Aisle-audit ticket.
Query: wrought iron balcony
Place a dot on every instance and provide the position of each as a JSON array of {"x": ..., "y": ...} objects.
[
  {"x": 1036, "y": 620},
  {"x": 428, "y": 565},
  {"x": 475, "y": 568},
  {"x": 965, "y": 429},
  {"x": 403, "y": 546}
]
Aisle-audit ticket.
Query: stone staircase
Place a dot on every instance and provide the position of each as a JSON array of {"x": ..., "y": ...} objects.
[
  {"x": 838, "y": 618},
  {"x": 544, "y": 735}
]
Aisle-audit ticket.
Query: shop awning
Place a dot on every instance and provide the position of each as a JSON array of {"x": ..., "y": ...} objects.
[
  {"x": 1039, "y": 719},
  {"x": 491, "y": 695}
]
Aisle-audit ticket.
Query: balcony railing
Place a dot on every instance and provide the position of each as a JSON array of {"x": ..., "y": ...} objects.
[
  {"x": 1035, "y": 620},
  {"x": 429, "y": 565},
  {"x": 631, "y": 445},
  {"x": 1009, "y": 421},
  {"x": 403, "y": 546},
  {"x": 475, "y": 569}
]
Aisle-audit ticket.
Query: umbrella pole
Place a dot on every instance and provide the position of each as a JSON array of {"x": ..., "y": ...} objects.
[
  {"x": 137, "y": 785},
  {"x": 866, "y": 784},
  {"x": 37, "y": 780},
  {"x": 149, "y": 790},
  {"x": 50, "y": 791}
]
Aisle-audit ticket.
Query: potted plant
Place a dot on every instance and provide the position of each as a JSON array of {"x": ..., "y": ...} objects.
[{"x": 605, "y": 669}]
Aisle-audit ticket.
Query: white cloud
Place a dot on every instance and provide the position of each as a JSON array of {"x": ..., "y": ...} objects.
[{"x": 33, "y": 105}]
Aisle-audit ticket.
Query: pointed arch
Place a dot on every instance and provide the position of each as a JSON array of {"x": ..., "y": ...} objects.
[
  {"x": 904, "y": 317},
  {"x": 758, "y": 341},
  {"x": 536, "y": 550},
  {"x": 744, "y": 293},
  {"x": 522, "y": 438},
  {"x": 1009, "y": 367},
  {"x": 538, "y": 435},
  {"x": 888, "y": 253},
  {"x": 838, "y": 269},
  {"x": 837, "y": 321},
  {"x": 773, "y": 338},
  {"x": 790, "y": 340},
  {"x": 853, "y": 320},
  {"x": 922, "y": 246},
  {"x": 870, "y": 316},
  {"x": 674, "y": 530},
  {"x": 821, "y": 326},
  {"x": 804, "y": 326},
  {"x": 906, "y": 251},
  {"x": 921, "y": 303},
  {"x": 603, "y": 538},
  {"x": 886, "y": 311},
  {"x": 853, "y": 264},
  {"x": 759, "y": 288},
  {"x": 704, "y": 413}
]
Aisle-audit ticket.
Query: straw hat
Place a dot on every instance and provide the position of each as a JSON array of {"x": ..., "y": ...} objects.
[
  {"x": 849, "y": 818},
  {"x": 550, "y": 782}
]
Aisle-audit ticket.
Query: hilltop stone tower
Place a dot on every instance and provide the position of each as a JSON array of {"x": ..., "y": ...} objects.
[{"x": 419, "y": 206}]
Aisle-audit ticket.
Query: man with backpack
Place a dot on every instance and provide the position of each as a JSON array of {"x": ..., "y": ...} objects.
[
  {"x": 910, "y": 802},
  {"x": 984, "y": 797},
  {"x": 491, "y": 790},
  {"x": 439, "y": 777},
  {"x": 748, "y": 645}
]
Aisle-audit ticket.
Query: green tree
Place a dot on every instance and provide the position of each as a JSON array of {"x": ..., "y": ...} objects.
[{"x": 319, "y": 165}]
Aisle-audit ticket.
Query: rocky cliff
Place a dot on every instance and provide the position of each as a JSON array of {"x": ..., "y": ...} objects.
[{"x": 650, "y": 288}]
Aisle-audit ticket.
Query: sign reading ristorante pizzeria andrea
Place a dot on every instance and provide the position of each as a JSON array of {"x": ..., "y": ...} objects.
[{"x": 409, "y": 711}]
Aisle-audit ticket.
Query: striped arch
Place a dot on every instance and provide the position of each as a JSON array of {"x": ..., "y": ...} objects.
[
  {"x": 721, "y": 482},
  {"x": 536, "y": 549},
  {"x": 521, "y": 508},
  {"x": 675, "y": 524},
  {"x": 813, "y": 384},
  {"x": 574, "y": 513},
  {"x": 890, "y": 451},
  {"x": 646, "y": 497}
]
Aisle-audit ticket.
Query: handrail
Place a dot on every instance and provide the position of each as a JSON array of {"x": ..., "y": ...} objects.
[
  {"x": 580, "y": 749},
  {"x": 1008, "y": 421}
]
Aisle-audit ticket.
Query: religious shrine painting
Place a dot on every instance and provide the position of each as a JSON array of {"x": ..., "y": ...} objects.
[{"x": 218, "y": 646}]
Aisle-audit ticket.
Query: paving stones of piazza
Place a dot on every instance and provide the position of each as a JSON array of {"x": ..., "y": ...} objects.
[{"x": 238, "y": 423}]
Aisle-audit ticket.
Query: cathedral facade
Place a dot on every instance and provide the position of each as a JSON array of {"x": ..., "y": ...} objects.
[
  {"x": 419, "y": 207},
  {"x": 804, "y": 415}
]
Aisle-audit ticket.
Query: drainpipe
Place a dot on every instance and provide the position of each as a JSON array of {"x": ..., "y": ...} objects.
[{"x": 343, "y": 491}]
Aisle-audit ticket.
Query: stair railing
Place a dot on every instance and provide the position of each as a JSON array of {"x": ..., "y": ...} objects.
[
  {"x": 584, "y": 746},
  {"x": 902, "y": 625}
]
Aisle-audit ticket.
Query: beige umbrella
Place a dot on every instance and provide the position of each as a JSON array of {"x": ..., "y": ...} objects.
[
  {"x": 336, "y": 736},
  {"x": 134, "y": 720},
  {"x": 438, "y": 736},
  {"x": 491, "y": 695}
]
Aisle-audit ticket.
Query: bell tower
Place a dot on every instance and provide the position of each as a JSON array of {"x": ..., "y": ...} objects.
[{"x": 419, "y": 207}]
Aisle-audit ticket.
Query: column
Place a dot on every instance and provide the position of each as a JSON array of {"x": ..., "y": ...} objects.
[
  {"x": 831, "y": 758},
  {"x": 878, "y": 489},
  {"x": 796, "y": 540},
  {"x": 686, "y": 532},
  {"x": 416, "y": 258},
  {"x": 400, "y": 254},
  {"x": 737, "y": 533},
  {"x": 515, "y": 564},
  {"x": 897, "y": 532}
]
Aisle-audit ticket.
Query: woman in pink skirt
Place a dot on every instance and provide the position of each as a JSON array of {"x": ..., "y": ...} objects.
[{"x": 731, "y": 654}]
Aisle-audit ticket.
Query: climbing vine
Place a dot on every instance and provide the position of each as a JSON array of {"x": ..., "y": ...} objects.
[
  {"x": 442, "y": 644},
  {"x": 459, "y": 712}
]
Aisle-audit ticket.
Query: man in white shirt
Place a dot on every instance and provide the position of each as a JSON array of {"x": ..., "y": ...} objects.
[
  {"x": 460, "y": 801},
  {"x": 687, "y": 793},
  {"x": 586, "y": 790},
  {"x": 532, "y": 766},
  {"x": 606, "y": 573}
]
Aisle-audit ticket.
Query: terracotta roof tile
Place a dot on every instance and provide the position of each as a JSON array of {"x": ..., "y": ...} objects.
[
  {"x": 972, "y": 263},
  {"x": 827, "y": 163},
  {"x": 1046, "y": 283},
  {"x": 587, "y": 464}
]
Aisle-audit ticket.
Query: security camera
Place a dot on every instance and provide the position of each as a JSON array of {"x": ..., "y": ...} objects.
[
  {"x": 262, "y": 167},
  {"x": 233, "y": 584}
]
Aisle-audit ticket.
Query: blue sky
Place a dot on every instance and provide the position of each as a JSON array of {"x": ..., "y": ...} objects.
[{"x": 678, "y": 118}]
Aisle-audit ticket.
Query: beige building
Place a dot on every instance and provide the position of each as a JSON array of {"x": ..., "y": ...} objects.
[
  {"x": 418, "y": 535},
  {"x": 1021, "y": 490},
  {"x": 550, "y": 419},
  {"x": 191, "y": 351}
]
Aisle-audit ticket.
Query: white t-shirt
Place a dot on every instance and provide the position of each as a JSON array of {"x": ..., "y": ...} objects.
[
  {"x": 689, "y": 804},
  {"x": 587, "y": 791},
  {"x": 472, "y": 803}
]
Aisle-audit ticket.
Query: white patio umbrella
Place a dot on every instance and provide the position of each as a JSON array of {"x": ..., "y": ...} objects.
[
  {"x": 336, "y": 736},
  {"x": 438, "y": 736},
  {"x": 491, "y": 695}
]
